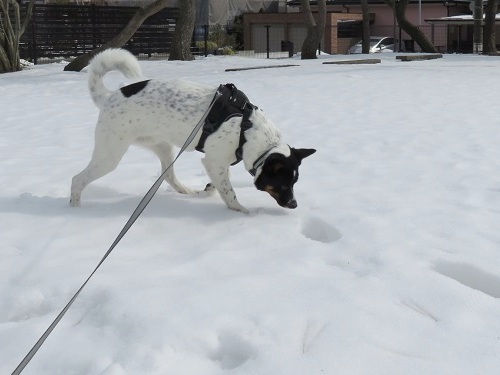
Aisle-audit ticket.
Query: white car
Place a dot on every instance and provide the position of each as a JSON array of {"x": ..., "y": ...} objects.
[{"x": 377, "y": 44}]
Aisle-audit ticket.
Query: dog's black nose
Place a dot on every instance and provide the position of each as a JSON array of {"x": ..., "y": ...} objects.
[{"x": 292, "y": 204}]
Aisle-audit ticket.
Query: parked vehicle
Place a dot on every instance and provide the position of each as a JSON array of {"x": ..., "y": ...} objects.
[{"x": 377, "y": 44}]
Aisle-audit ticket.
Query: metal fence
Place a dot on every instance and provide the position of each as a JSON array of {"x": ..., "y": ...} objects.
[
  {"x": 62, "y": 31},
  {"x": 229, "y": 40},
  {"x": 280, "y": 41},
  {"x": 69, "y": 30}
]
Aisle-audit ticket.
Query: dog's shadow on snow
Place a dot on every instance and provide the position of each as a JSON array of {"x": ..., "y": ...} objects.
[{"x": 101, "y": 202}]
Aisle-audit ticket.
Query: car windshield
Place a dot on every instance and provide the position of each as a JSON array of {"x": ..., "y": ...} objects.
[{"x": 381, "y": 43}]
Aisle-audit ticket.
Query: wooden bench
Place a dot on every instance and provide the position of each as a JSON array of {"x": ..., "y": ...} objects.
[
  {"x": 259, "y": 67},
  {"x": 347, "y": 62},
  {"x": 419, "y": 57}
]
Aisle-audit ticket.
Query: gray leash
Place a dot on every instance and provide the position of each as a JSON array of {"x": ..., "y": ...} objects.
[{"x": 135, "y": 215}]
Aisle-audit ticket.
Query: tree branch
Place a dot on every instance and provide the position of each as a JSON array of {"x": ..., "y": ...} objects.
[
  {"x": 123, "y": 37},
  {"x": 11, "y": 30}
]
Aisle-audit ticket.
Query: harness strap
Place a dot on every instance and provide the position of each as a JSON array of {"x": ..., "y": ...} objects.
[
  {"x": 244, "y": 126},
  {"x": 260, "y": 161},
  {"x": 230, "y": 103}
]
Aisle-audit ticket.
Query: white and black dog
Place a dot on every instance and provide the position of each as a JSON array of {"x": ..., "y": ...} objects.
[{"x": 160, "y": 115}]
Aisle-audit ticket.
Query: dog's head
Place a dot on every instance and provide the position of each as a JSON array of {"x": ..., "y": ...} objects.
[{"x": 280, "y": 172}]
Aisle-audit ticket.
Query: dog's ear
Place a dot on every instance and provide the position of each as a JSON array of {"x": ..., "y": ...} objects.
[{"x": 301, "y": 153}]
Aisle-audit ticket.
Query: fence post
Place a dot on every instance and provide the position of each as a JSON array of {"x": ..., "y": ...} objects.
[
  {"x": 205, "y": 39},
  {"x": 33, "y": 34},
  {"x": 400, "y": 37},
  {"x": 477, "y": 38},
  {"x": 94, "y": 31},
  {"x": 267, "y": 39}
]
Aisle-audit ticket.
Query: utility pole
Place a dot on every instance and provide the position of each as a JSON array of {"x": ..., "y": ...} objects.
[{"x": 478, "y": 27}]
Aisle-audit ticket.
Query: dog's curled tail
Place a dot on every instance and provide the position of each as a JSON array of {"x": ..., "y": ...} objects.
[{"x": 106, "y": 61}]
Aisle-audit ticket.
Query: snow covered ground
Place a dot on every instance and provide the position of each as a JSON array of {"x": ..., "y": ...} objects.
[{"x": 390, "y": 264}]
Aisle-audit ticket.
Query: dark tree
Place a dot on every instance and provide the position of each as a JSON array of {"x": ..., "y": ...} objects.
[
  {"x": 315, "y": 28},
  {"x": 366, "y": 27},
  {"x": 489, "y": 37},
  {"x": 399, "y": 8},
  {"x": 183, "y": 34}
]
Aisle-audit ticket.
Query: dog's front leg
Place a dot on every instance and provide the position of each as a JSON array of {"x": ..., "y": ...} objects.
[{"x": 219, "y": 175}]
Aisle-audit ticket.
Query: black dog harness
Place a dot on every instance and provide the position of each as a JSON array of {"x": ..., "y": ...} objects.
[{"x": 228, "y": 102}]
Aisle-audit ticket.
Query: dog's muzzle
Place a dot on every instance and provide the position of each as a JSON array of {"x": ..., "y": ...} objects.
[
  {"x": 286, "y": 199},
  {"x": 291, "y": 204}
]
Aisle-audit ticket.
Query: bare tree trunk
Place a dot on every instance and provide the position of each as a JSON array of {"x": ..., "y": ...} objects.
[
  {"x": 489, "y": 37},
  {"x": 399, "y": 8},
  {"x": 118, "y": 41},
  {"x": 366, "y": 27},
  {"x": 10, "y": 34},
  {"x": 315, "y": 28},
  {"x": 183, "y": 34}
]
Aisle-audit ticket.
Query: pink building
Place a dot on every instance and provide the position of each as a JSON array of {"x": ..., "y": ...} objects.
[{"x": 344, "y": 25}]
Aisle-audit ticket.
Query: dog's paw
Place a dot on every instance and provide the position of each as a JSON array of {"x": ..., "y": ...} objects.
[
  {"x": 207, "y": 192},
  {"x": 239, "y": 208},
  {"x": 210, "y": 188},
  {"x": 74, "y": 202}
]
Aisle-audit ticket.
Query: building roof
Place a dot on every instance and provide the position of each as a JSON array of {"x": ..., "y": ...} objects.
[
  {"x": 464, "y": 19},
  {"x": 294, "y": 3}
]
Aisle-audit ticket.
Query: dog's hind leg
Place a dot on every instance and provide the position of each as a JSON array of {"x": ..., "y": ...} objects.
[
  {"x": 165, "y": 153},
  {"x": 104, "y": 160}
]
